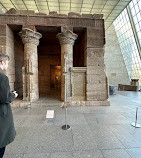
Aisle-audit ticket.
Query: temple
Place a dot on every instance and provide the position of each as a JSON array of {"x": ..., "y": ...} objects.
[{"x": 55, "y": 55}]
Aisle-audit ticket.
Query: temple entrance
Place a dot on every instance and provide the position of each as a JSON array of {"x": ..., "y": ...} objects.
[
  {"x": 55, "y": 80},
  {"x": 49, "y": 61}
]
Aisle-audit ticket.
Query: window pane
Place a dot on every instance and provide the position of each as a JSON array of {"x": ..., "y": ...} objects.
[{"x": 127, "y": 41}]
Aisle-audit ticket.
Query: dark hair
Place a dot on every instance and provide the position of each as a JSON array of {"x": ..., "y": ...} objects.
[{"x": 4, "y": 57}]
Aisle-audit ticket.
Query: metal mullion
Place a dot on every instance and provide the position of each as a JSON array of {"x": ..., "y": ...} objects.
[
  {"x": 24, "y": 4},
  {"x": 48, "y": 5},
  {"x": 70, "y": 5},
  {"x": 13, "y": 4},
  {"x": 3, "y": 6},
  {"x": 52, "y": 6},
  {"x": 59, "y": 5},
  {"x": 134, "y": 30},
  {"x": 92, "y": 6},
  {"x": 36, "y": 5},
  {"x": 81, "y": 6},
  {"x": 103, "y": 6},
  {"x": 112, "y": 10}
]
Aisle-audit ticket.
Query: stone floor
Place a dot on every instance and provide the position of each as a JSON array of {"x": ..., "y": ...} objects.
[{"x": 96, "y": 132}]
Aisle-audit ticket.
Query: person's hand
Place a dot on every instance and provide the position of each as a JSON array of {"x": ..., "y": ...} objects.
[{"x": 15, "y": 93}]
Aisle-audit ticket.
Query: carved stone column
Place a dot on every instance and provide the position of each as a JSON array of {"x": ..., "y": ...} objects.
[
  {"x": 66, "y": 39},
  {"x": 30, "y": 40}
]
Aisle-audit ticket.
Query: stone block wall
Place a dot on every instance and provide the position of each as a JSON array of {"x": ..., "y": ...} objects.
[
  {"x": 115, "y": 66},
  {"x": 93, "y": 51},
  {"x": 44, "y": 72},
  {"x": 97, "y": 86},
  {"x": 7, "y": 47},
  {"x": 79, "y": 83}
]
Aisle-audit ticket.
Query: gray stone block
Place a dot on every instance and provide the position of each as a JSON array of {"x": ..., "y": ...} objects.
[
  {"x": 116, "y": 153},
  {"x": 77, "y": 119},
  {"x": 88, "y": 154},
  {"x": 106, "y": 140},
  {"x": 134, "y": 152},
  {"x": 37, "y": 155},
  {"x": 62, "y": 155},
  {"x": 50, "y": 139},
  {"x": 13, "y": 156},
  {"x": 83, "y": 138}
]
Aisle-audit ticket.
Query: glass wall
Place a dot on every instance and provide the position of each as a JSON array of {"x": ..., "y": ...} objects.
[
  {"x": 126, "y": 38},
  {"x": 135, "y": 7}
]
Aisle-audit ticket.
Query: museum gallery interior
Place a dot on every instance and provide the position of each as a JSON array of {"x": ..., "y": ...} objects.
[{"x": 82, "y": 60}]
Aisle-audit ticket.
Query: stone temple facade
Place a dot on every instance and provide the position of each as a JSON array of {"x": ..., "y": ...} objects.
[{"x": 55, "y": 55}]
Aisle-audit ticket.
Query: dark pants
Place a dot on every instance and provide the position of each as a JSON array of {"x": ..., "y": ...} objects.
[{"x": 2, "y": 150}]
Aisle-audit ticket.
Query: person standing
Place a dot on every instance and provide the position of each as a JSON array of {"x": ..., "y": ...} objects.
[{"x": 7, "y": 130}]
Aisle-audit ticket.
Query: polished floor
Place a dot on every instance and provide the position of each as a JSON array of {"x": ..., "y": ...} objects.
[{"x": 96, "y": 132}]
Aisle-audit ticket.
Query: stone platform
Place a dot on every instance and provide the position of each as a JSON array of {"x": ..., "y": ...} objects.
[
  {"x": 46, "y": 101},
  {"x": 96, "y": 131}
]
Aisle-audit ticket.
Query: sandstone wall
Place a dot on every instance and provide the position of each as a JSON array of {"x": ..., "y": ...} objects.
[
  {"x": 7, "y": 47},
  {"x": 79, "y": 83},
  {"x": 115, "y": 66},
  {"x": 44, "y": 72},
  {"x": 97, "y": 86}
]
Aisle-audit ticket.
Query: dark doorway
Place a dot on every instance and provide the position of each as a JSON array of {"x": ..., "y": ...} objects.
[
  {"x": 78, "y": 51},
  {"x": 49, "y": 56},
  {"x": 55, "y": 80}
]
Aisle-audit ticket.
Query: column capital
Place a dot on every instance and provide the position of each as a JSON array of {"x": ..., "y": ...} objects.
[
  {"x": 30, "y": 36},
  {"x": 67, "y": 37}
]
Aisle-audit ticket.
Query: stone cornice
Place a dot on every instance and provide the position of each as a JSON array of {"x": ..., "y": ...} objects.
[
  {"x": 14, "y": 11},
  {"x": 30, "y": 36},
  {"x": 42, "y": 20},
  {"x": 67, "y": 37}
]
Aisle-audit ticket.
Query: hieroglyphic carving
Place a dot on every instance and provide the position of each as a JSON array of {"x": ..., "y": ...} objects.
[
  {"x": 66, "y": 39},
  {"x": 81, "y": 22},
  {"x": 24, "y": 83},
  {"x": 95, "y": 23},
  {"x": 46, "y": 20},
  {"x": 30, "y": 39}
]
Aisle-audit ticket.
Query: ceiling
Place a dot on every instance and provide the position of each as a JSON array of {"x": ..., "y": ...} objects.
[{"x": 109, "y": 8}]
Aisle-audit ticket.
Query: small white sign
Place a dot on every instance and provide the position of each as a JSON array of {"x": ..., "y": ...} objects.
[{"x": 50, "y": 114}]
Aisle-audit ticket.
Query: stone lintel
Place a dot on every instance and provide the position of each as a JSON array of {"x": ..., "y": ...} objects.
[
  {"x": 30, "y": 36},
  {"x": 65, "y": 28},
  {"x": 97, "y": 16},
  {"x": 13, "y": 11},
  {"x": 67, "y": 37},
  {"x": 49, "y": 20},
  {"x": 31, "y": 27},
  {"x": 72, "y": 14},
  {"x": 78, "y": 69},
  {"x": 89, "y": 16},
  {"x": 53, "y": 13},
  {"x": 20, "y": 12},
  {"x": 41, "y": 14}
]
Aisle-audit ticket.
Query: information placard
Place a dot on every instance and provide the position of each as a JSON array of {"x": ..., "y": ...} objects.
[{"x": 50, "y": 114}]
